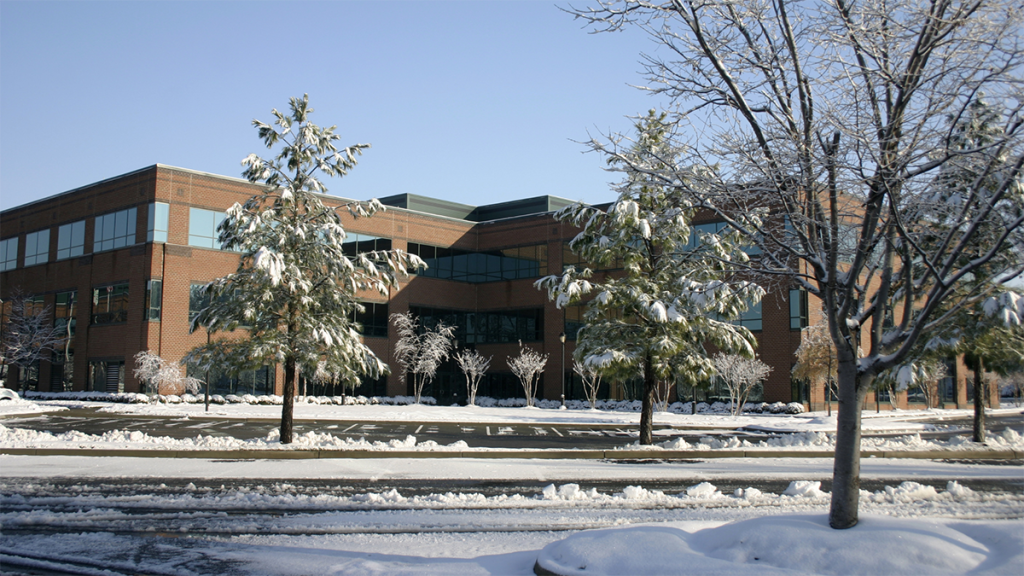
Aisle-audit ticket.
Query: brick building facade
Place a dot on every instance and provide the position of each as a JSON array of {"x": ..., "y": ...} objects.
[{"x": 115, "y": 262}]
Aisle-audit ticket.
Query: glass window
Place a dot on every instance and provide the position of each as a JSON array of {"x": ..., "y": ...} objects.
[
  {"x": 37, "y": 247},
  {"x": 797, "y": 309},
  {"x": 751, "y": 319},
  {"x": 202, "y": 228},
  {"x": 64, "y": 312},
  {"x": 110, "y": 304},
  {"x": 476, "y": 267},
  {"x": 359, "y": 243},
  {"x": 154, "y": 296},
  {"x": 71, "y": 240},
  {"x": 157, "y": 223},
  {"x": 115, "y": 230},
  {"x": 373, "y": 320},
  {"x": 573, "y": 320},
  {"x": 197, "y": 299},
  {"x": 256, "y": 382},
  {"x": 9, "y": 254}
]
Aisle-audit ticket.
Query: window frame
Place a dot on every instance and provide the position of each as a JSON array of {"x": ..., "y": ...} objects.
[
  {"x": 9, "y": 261},
  {"x": 35, "y": 239},
  {"x": 111, "y": 223},
  {"x": 201, "y": 241},
  {"x": 110, "y": 316},
  {"x": 69, "y": 249},
  {"x": 161, "y": 211}
]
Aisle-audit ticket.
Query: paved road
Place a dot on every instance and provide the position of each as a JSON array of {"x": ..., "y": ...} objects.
[
  {"x": 536, "y": 436},
  {"x": 511, "y": 435}
]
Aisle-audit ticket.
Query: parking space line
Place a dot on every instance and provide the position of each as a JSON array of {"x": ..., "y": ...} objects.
[{"x": 555, "y": 430}]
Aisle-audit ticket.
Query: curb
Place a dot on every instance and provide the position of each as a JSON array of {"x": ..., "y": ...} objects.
[{"x": 282, "y": 454}]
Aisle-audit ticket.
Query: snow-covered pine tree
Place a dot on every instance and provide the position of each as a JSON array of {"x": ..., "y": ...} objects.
[
  {"x": 295, "y": 289},
  {"x": 674, "y": 294},
  {"x": 837, "y": 119}
]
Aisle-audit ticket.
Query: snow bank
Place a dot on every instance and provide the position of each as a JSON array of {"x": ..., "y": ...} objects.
[
  {"x": 1008, "y": 439},
  {"x": 791, "y": 544},
  {"x": 136, "y": 440}
]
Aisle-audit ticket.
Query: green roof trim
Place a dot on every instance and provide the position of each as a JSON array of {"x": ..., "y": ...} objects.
[{"x": 486, "y": 213}]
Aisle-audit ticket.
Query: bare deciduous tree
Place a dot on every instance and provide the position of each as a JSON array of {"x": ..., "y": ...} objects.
[
  {"x": 29, "y": 334},
  {"x": 473, "y": 366},
  {"x": 822, "y": 133},
  {"x": 591, "y": 377},
  {"x": 528, "y": 366},
  {"x": 740, "y": 375},
  {"x": 162, "y": 377},
  {"x": 421, "y": 350}
]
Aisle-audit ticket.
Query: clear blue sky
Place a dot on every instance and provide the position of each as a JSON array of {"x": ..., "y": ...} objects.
[{"x": 473, "y": 102}]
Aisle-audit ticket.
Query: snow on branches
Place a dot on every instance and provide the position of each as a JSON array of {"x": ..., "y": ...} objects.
[
  {"x": 420, "y": 350},
  {"x": 677, "y": 291},
  {"x": 528, "y": 366},
  {"x": 473, "y": 366},
  {"x": 296, "y": 289},
  {"x": 740, "y": 376},
  {"x": 162, "y": 377}
]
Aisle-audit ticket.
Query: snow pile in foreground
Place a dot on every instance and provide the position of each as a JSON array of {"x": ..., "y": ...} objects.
[
  {"x": 795, "y": 544},
  {"x": 809, "y": 440}
]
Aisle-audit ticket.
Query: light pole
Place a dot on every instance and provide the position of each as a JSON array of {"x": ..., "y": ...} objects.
[{"x": 561, "y": 338}]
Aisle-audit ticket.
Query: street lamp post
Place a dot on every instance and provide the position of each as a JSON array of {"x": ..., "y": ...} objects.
[{"x": 561, "y": 338}]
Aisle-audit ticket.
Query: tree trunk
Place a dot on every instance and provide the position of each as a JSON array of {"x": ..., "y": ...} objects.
[
  {"x": 647, "y": 411},
  {"x": 979, "y": 400},
  {"x": 288, "y": 410},
  {"x": 846, "y": 466}
]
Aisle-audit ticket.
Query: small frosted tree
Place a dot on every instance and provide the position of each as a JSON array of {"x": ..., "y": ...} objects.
[
  {"x": 740, "y": 375},
  {"x": 162, "y": 377},
  {"x": 528, "y": 366},
  {"x": 473, "y": 366},
  {"x": 591, "y": 377},
  {"x": 816, "y": 360},
  {"x": 421, "y": 350},
  {"x": 924, "y": 373},
  {"x": 28, "y": 334},
  {"x": 295, "y": 290}
]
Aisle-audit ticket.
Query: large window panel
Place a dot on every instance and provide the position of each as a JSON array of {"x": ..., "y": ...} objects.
[
  {"x": 477, "y": 267},
  {"x": 115, "y": 230},
  {"x": 71, "y": 240},
  {"x": 9, "y": 254},
  {"x": 158, "y": 222},
  {"x": 110, "y": 304},
  {"x": 154, "y": 298},
  {"x": 373, "y": 320},
  {"x": 202, "y": 228},
  {"x": 64, "y": 308},
  {"x": 797, "y": 309},
  {"x": 37, "y": 247}
]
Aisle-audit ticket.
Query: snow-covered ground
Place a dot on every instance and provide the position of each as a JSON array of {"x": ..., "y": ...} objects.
[
  {"x": 811, "y": 431},
  {"x": 925, "y": 522}
]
